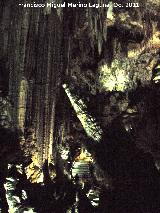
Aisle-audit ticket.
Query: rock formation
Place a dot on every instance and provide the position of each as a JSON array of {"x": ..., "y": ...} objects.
[{"x": 74, "y": 79}]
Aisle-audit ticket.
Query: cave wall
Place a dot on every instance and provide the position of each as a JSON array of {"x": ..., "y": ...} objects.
[
  {"x": 31, "y": 55},
  {"x": 107, "y": 57},
  {"x": 99, "y": 51}
]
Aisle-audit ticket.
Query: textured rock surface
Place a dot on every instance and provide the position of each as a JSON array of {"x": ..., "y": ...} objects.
[{"x": 108, "y": 58}]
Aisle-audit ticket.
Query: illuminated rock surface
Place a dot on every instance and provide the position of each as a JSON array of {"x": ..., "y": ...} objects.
[{"x": 108, "y": 58}]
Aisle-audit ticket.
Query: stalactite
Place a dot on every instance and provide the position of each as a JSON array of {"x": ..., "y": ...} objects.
[
  {"x": 92, "y": 129},
  {"x": 107, "y": 53},
  {"x": 22, "y": 102},
  {"x": 35, "y": 66}
]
